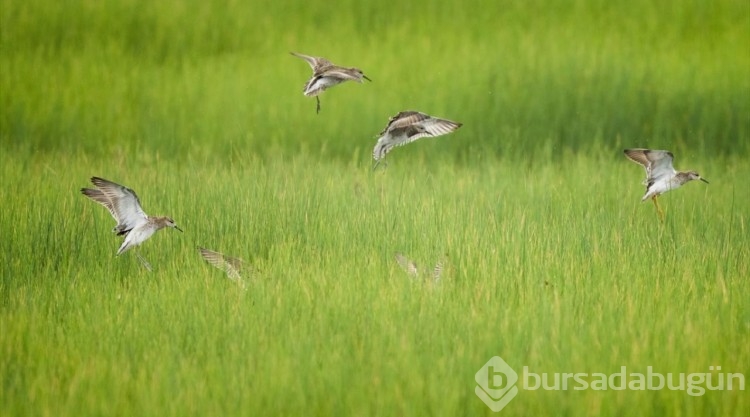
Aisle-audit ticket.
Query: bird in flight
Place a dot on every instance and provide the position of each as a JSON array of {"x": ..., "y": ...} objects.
[
  {"x": 410, "y": 267},
  {"x": 326, "y": 75},
  {"x": 660, "y": 174},
  {"x": 231, "y": 266},
  {"x": 132, "y": 222},
  {"x": 406, "y": 127}
]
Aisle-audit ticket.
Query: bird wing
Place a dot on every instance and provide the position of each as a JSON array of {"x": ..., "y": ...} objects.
[
  {"x": 408, "y": 126},
  {"x": 319, "y": 83},
  {"x": 661, "y": 164},
  {"x": 315, "y": 62},
  {"x": 430, "y": 127},
  {"x": 433, "y": 126},
  {"x": 439, "y": 127},
  {"x": 338, "y": 72},
  {"x": 101, "y": 198},
  {"x": 407, "y": 264},
  {"x": 403, "y": 119},
  {"x": 437, "y": 272},
  {"x": 658, "y": 163},
  {"x": 389, "y": 138},
  {"x": 382, "y": 147},
  {"x": 232, "y": 266},
  {"x": 126, "y": 207}
]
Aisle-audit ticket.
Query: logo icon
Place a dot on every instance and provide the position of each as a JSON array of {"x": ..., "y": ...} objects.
[{"x": 496, "y": 383}]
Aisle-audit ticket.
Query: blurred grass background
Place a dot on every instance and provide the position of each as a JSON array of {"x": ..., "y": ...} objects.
[
  {"x": 537, "y": 272},
  {"x": 553, "y": 262},
  {"x": 182, "y": 77}
]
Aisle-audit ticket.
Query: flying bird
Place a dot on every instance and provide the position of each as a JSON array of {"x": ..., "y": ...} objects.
[
  {"x": 406, "y": 127},
  {"x": 410, "y": 267},
  {"x": 132, "y": 222},
  {"x": 326, "y": 75},
  {"x": 231, "y": 266},
  {"x": 660, "y": 174}
]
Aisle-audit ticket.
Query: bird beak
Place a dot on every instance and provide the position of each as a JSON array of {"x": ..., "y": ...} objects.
[
  {"x": 178, "y": 229},
  {"x": 704, "y": 180},
  {"x": 365, "y": 77}
]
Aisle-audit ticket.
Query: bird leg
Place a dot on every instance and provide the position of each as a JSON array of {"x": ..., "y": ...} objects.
[
  {"x": 144, "y": 261},
  {"x": 385, "y": 164},
  {"x": 658, "y": 209},
  {"x": 317, "y": 109}
]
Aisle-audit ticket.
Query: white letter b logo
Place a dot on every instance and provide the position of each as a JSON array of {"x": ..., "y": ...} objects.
[{"x": 496, "y": 383}]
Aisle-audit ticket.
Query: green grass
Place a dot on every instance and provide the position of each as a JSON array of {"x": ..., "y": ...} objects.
[{"x": 553, "y": 261}]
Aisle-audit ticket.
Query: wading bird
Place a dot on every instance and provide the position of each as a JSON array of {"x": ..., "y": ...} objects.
[
  {"x": 326, "y": 75},
  {"x": 660, "y": 174},
  {"x": 406, "y": 127},
  {"x": 231, "y": 266},
  {"x": 123, "y": 204},
  {"x": 410, "y": 267}
]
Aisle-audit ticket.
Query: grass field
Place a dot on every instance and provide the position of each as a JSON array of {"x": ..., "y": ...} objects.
[{"x": 552, "y": 261}]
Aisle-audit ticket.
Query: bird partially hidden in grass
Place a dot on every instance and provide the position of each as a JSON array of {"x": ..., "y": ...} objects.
[
  {"x": 233, "y": 267},
  {"x": 410, "y": 267},
  {"x": 406, "y": 127},
  {"x": 660, "y": 174},
  {"x": 326, "y": 75},
  {"x": 123, "y": 204}
]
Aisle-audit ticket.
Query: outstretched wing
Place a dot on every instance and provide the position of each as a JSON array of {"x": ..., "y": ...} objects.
[
  {"x": 402, "y": 120},
  {"x": 408, "y": 126},
  {"x": 658, "y": 163},
  {"x": 232, "y": 266},
  {"x": 343, "y": 74},
  {"x": 98, "y": 196},
  {"x": 315, "y": 62},
  {"x": 407, "y": 264},
  {"x": 437, "y": 272},
  {"x": 125, "y": 205},
  {"x": 422, "y": 126},
  {"x": 434, "y": 126}
]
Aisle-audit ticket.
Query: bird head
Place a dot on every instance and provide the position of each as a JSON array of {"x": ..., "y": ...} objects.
[
  {"x": 171, "y": 223},
  {"x": 695, "y": 176},
  {"x": 360, "y": 74}
]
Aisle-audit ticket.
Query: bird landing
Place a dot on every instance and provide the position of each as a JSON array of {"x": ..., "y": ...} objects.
[
  {"x": 408, "y": 126},
  {"x": 326, "y": 75},
  {"x": 125, "y": 207},
  {"x": 660, "y": 174}
]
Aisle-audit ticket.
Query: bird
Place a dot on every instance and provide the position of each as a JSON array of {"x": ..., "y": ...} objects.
[
  {"x": 326, "y": 75},
  {"x": 660, "y": 174},
  {"x": 231, "y": 266},
  {"x": 132, "y": 222},
  {"x": 408, "y": 126},
  {"x": 410, "y": 267}
]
